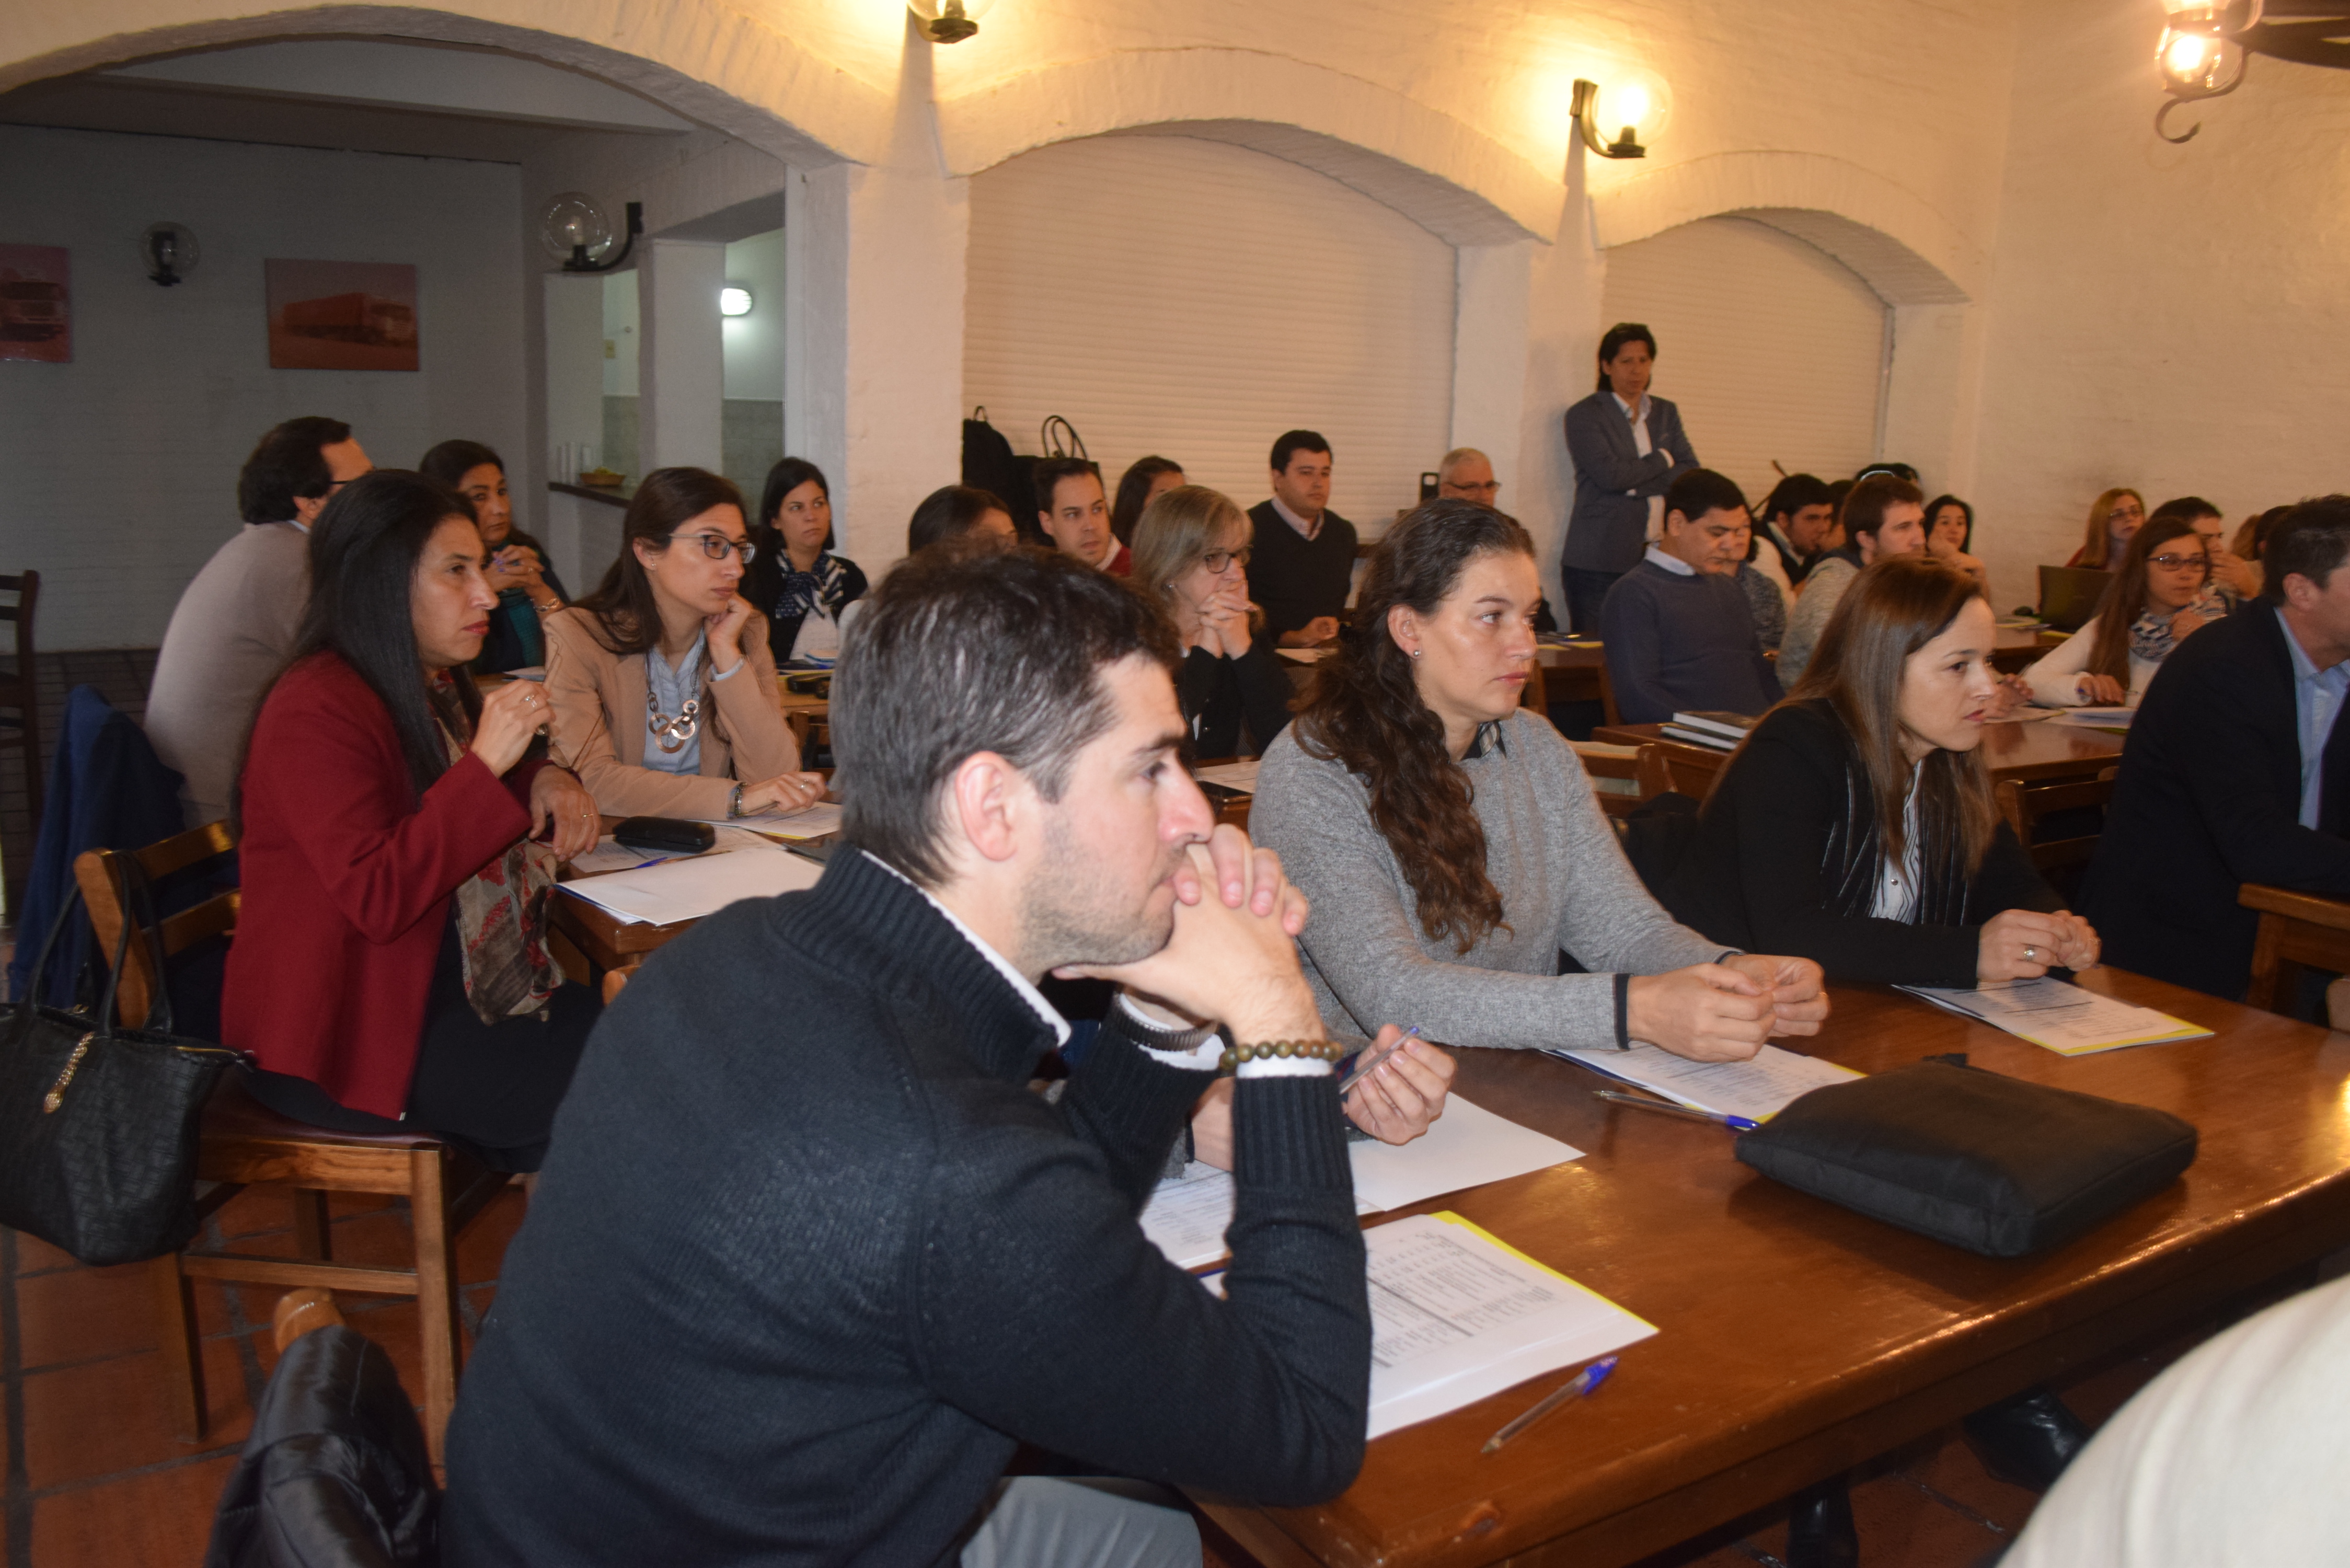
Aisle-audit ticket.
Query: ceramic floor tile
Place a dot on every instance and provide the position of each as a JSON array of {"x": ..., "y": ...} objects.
[
  {"x": 1952, "y": 1469},
  {"x": 161, "y": 1519},
  {"x": 81, "y": 1314},
  {"x": 1900, "y": 1523},
  {"x": 85, "y": 1422},
  {"x": 483, "y": 1248},
  {"x": 36, "y": 1256},
  {"x": 380, "y": 1239}
]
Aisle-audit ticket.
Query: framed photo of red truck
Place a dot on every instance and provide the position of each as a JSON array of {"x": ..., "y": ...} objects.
[
  {"x": 36, "y": 314},
  {"x": 341, "y": 316}
]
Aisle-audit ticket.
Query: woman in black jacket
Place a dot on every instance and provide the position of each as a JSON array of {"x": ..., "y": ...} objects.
[
  {"x": 1856, "y": 824},
  {"x": 795, "y": 580},
  {"x": 1192, "y": 548}
]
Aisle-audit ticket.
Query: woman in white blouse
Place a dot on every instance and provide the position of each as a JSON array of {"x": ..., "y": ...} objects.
[{"x": 2161, "y": 592}]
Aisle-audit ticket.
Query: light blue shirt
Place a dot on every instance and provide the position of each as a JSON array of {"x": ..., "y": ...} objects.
[
  {"x": 2317, "y": 702},
  {"x": 671, "y": 690}
]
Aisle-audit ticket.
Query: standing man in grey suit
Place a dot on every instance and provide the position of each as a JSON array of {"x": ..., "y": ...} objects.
[{"x": 1627, "y": 448}]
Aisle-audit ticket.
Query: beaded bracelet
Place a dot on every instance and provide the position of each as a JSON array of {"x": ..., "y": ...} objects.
[{"x": 1311, "y": 1050}]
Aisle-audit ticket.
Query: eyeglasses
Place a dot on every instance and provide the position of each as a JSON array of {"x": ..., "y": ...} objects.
[
  {"x": 2172, "y": 563},
  {"x": 1217, "y": 560},
  {"x": 715, "y": 545}
]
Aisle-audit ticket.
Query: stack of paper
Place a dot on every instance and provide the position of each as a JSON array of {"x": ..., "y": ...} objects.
[
  {"x": 1469, "y": 1145},
  {"x": 688, "y": 890},
  {"x": 817, "y": 821},
  {"x": 2062, "y": 1017},
  {"x": 1758, "y": 1088},
  {"x": 2100, "y": 718},
  {"x": 1239, "y": 775},
  {"x": 611, "y": 854}
]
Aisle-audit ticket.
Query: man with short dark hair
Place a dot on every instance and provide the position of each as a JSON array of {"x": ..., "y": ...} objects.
[
  {"x": 2235, "y": 579},
  {"x": 233, "y": 627},
  {"x": 1884, "y": 514},
  {"x": 1302, "y": 565},
  {"x": 2235, "y": 771},
  {"x": 1797, "y": 517},
  {"x": 1072, "y": 510},
  {"x": 1677, "y": 630},
  {"x": 809, "y": 1259}
]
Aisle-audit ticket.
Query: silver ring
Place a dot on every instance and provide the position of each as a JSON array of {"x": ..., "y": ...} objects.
[{"x": 2031, "y": 955}]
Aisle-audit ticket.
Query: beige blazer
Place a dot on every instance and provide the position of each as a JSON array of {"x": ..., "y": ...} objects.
[{"x": 598, "y": 729}]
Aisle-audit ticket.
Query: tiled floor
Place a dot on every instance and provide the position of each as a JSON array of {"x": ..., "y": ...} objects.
[
  {"x": 95, "y": 1477},
  {"x": 122, "y": 675}
]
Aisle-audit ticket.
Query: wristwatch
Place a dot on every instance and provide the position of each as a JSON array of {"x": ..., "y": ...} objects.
[{"x": 734, "y": 802}]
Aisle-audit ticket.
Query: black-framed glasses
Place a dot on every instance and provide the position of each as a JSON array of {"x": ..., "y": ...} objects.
[
  {"x": 2170, "y": 563},
  {"x": 715, "y": 545},
  {"x": 1217, "y": 560}
]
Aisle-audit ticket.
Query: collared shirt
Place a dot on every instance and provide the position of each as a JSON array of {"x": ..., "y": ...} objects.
[
  {"x": 1046, "y": 1012},
  {"x": 1644, "y": 446},
  {"x": 1309, "y": 530},
  {"x": 2317, "y": 702},
  {"x": 671, "y": 688},
  {"x": 1674, "y": 564}
]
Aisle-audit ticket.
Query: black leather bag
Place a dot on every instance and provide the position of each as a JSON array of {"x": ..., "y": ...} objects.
[
  {"x": 99, "y": 1124},
  {"x": 1992, "y": 1164}
]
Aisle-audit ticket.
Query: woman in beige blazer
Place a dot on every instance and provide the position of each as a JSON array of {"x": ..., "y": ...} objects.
[{"x": 660, "y": 682}]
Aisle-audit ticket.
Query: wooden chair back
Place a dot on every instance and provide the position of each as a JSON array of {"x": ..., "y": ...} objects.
[
  {"x": 105, "y": 887},
  {"x": 1535, "y": 692},
  {"x": 2297, "y": 931},
  {"x": 20, "y": 685},
  {"x": 2026, "y": 805},
  {"x": 1607, "y": 696}
]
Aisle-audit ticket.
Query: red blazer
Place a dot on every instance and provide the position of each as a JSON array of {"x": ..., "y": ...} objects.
[{"x": 348, "y": 881}]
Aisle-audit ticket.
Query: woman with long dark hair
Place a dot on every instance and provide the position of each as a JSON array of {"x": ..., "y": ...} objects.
[
  {"x": 1145, "y": 481},
  {"x": 953, "y": 511},
  {"x": 1452, "y": 844},
  {"x": 795, "y": 580},
  {"x": 390, "y": 970},
  {"x": 1192, "y": 548},
  {"x": 1950, "y": 534},
  {"x": 519, "y": 570},
  {"x": 2161, "y": 592},
  {"x": 1856, "y": 826},
  {"x": 665, "y": 692}
]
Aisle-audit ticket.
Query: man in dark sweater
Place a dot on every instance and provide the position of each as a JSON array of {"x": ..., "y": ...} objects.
[
  {"x": 809, "y": 1259},
  {"x": 2236, "y": 771},
  {"x": 1302, "y": 560},
  {"x": 1678, "y": 631}
]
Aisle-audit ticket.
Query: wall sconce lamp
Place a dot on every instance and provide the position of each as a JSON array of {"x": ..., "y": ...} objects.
[
  {"x": 576, "y": 232},
  {"x": 734, "y": 300},
  {"x": 2199, "y": 57},
  {"x": 1629, "y": 105},
  {"x": 948, "y": 21},
  {"x": 169, "y": 252}
]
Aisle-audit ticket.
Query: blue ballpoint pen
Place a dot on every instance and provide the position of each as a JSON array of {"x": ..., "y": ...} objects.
[
  {"x": 1665, "y": 1108},
  {"x": 1584, "y": 1384}
]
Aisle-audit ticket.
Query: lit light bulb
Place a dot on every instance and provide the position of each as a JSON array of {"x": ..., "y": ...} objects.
[
  {"x": 734, "y": 300},
  {"x": 1629, "y": 108},
  {"x": 2186, "y": 56}
]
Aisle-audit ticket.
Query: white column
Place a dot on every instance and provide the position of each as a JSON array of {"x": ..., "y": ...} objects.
[
  {"x": 574, "y": 396},
  {"x": 1489, "y": 355},
  {"x": 1563, "y": 304},
  {"x": 682, "y": 363}
]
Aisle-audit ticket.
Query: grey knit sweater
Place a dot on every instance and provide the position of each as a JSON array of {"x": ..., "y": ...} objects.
[{"x": 1563, "y": 881}]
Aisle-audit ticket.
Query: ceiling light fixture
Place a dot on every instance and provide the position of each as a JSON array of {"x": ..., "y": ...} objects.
[
  {"x": 169, "y": 252},
  {"x": 734, "y": 300},
  {"x": 576, "y": 232},
  {"x": 948, "y": 21},
  {"x": 2207, "y": 45},
  {"x": 1627, "y": 106}
]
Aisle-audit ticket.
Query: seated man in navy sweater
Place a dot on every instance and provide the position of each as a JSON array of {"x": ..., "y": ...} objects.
[
  {"x": 1677, "y": 626},
  {"x": 809, "y": 1259}
]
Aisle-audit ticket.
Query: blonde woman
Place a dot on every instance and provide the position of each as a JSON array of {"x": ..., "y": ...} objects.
[{"x": 1192, "y": 549}]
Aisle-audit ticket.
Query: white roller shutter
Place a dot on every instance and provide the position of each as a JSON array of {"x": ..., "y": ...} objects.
[
  {"x": 1195, "y": 299},
  {"x": 1772, "y": 348}
]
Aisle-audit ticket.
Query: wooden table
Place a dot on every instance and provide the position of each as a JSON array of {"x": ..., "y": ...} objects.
[
  {"x": 2040, "y": 750},
  {"x": 2015, "y": 648},
  {"x": 1798, "y": 1339}
]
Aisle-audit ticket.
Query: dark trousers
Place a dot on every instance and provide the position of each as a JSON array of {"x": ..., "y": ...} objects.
[{"x": 1587, "y": 590}]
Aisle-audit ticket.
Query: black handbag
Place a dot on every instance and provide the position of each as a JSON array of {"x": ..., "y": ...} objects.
[
  {"x": 1992, "y": 1164},
  {"x": 99, "y": 1125}
]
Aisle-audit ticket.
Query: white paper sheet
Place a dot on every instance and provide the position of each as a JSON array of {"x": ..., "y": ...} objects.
[
  {"x": 817, "y": 821},
  {"x": 688, "y": 890},
  {"x": 1758, "y": 1088},
  {"x": 1239, "y": 775},
  {"x": 1456, "y": 1314},
  {"x": 611, "y": 854},
  {"x": 2060, "y": 1016},
  {"x": 2098, "y": 718},
  {"x": 1468, "y": 1147}
]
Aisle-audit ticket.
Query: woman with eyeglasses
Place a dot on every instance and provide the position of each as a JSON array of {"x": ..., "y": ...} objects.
[
  {"x": 2162, "y": 591},
  {"x": 2114, "y": 517},
  {"x": 662, "y": 684},
  {"x": 1191, "y": 544}
]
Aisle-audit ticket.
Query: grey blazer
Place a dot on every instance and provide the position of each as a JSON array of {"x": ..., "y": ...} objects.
[{"x": 1613, "y": 482}]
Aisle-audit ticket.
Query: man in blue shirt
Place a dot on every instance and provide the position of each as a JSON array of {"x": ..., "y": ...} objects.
[
  {"x": 1677, "y": 630},
  {"x": 2236, "y": 771}
]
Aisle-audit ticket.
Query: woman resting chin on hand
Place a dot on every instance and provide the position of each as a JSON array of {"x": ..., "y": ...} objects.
[{"x": 1397, "y": 1101}]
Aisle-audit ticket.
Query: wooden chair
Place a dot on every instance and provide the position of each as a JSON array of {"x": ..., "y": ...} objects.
[
  {"x": 20, "y": 687},
  {"x": 2025, "y": 806},
  {"x": 1535, "y": 692},
  {"x": 2296, "y": 931},
  {"x": 246, "y": 1144},
  {"x": 1607, "y": 696},
  {"x": 1648, "y": 768}
]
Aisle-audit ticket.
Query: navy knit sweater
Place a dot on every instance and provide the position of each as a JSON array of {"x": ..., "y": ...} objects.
[
  {"x": 809, "y": 1260},
  {"x": 1682, "y": 643}
]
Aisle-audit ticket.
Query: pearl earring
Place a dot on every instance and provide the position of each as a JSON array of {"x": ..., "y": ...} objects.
[{"x": 1415, "y": 653}]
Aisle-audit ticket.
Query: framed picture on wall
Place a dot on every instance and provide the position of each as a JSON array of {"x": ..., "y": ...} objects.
[
  {"x": 341, "y": 316},
  {"x": 36, "y": 305}
]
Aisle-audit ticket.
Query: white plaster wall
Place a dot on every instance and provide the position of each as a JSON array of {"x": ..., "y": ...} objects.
[
  {"x": 121, "y": 467},
  {"x": 2172, "y": 318},
  {"x": 754, "y": 343}
]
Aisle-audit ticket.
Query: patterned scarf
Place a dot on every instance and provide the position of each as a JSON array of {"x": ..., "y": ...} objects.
[
  {"x": 2150, "y": 635},
  {"x": 501, "y": 912},
  {"x": 802, "y": 591}
]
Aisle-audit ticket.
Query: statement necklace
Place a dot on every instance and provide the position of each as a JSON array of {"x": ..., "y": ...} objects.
[{"x": 671, "y": 734}]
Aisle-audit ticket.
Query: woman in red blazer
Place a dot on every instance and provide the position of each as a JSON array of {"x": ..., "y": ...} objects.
[{"x": 390, "y": 970}]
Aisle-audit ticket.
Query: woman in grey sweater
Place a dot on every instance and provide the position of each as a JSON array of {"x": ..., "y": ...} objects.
[{"x": 1451, "y": 843}]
